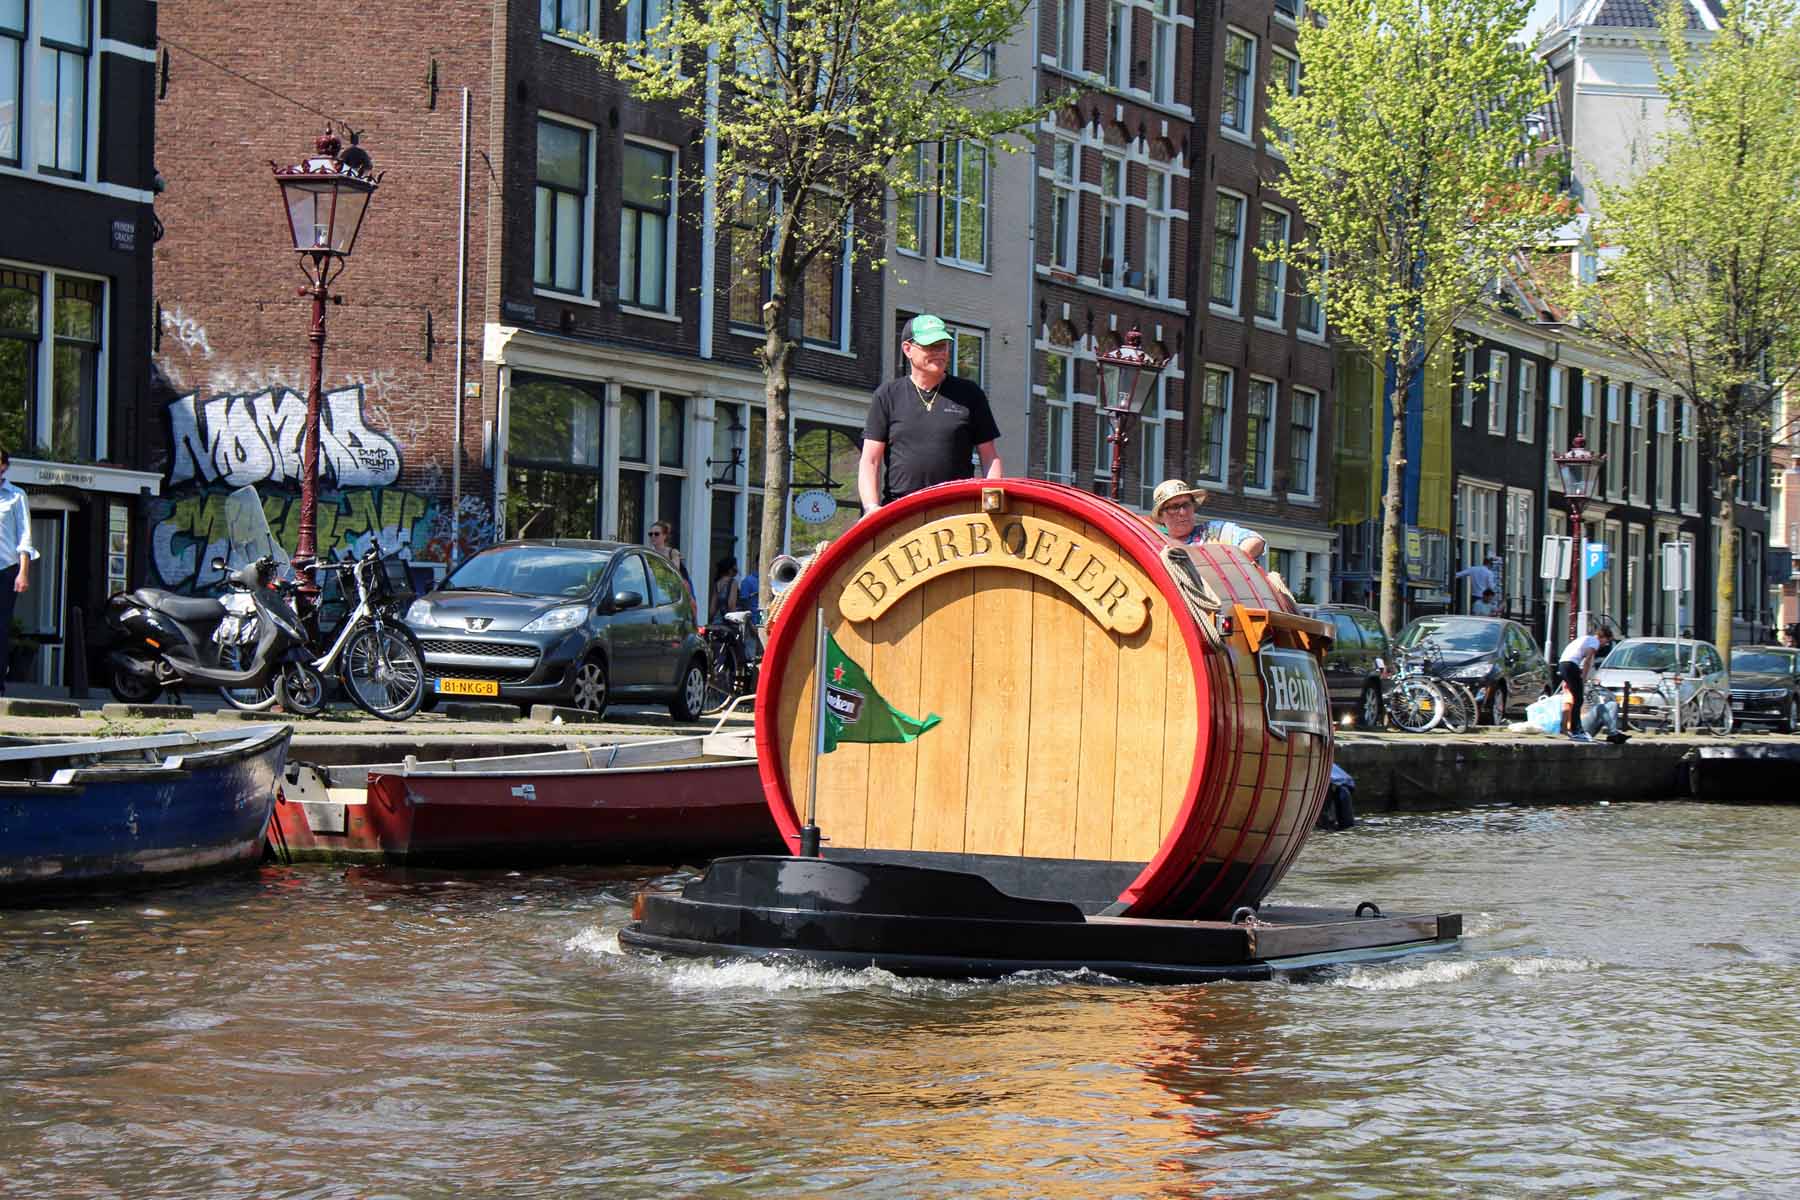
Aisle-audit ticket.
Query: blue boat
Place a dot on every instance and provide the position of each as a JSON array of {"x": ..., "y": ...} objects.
[{"x": 104, "y": 812}]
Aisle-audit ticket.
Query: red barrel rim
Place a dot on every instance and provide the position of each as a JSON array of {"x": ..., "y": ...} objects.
[{"x": 1125, "y": 527}]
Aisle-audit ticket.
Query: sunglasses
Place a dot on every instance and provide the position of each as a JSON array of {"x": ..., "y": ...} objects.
[{"x": 1179, "y": 506}]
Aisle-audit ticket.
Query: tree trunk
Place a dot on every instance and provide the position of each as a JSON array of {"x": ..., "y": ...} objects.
[
  {"x": 1390, "y": 508},
  {"x": 1725, "y": 584},
  {"x": 778, "y": 352}
]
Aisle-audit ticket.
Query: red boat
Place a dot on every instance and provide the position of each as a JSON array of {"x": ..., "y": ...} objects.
[{"x": 663, "y": 800}]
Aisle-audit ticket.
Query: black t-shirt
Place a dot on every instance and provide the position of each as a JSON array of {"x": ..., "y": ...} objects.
[{"x": 928, "y": 445}]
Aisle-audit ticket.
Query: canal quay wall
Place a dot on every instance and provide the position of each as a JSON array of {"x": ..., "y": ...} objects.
[{"x": 1394, "y": 772}]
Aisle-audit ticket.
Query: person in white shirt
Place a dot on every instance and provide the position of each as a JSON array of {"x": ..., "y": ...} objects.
[
  {"x": 1486, "y": 606},
  {"x": 16, "y": 553},
  {"x": 1572, "y": 667},
  {"x": 1482, "y": 577}
]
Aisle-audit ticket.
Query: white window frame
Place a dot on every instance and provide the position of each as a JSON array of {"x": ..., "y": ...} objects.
[
  {"x": 1277, "y": 281},
  {"x": 1244, "y": 128},
  {"x": 39, "y": 55},
  {"x": 1316, "y": 306},
  {"x": 1112, "y": 221},
  {"x": 1290, "y": 21},
  {"x": 1259, "y": 435},
  {"x": 1498, "y": 377},
  {"x": 952, "y": 199},
  {"x": 1071, "y": 25},
  {"x": 1299, "y": 399},
  {"x": 921, "y": 210},
  {"x": 1525, "y": 415},
  {"x": 44, "y": 424},
  {"x": 1665, "y": 452},
  {"x": 1556, "y": 427},
  {"x": 1065, "y": 203},
  {"x": 1640, "y": 445},
  {"x": 1615, "y": 442},
  {"x": 1152, "y": 448},
  {"x": 1690, "y": 461},
  {"x": 1290, "y": 71},
  {"x": 1059, "y": 428},
  {"x": 1159, "y": 228},
  {"x": 672, "y": 223},
  {"x": 1118, "y": 45},
  {"x": 1635, "y": 622},
  {"x": 586, "y": 289},
  {"x": 636, "y": 19},
  {"x": 1590, "y": 411},
  {"x": 1519, "y": 580},
  {"x": 1479, "y": 508},
  {"x": 1164, "y": 36},
  {"x": 1468, "y": 388},
  {"x": 553, "y": 31},
  {"x": 959, "y": 334},
  {"x": 1227, "y": 378},
  {"x": 1237, "y": 269}
]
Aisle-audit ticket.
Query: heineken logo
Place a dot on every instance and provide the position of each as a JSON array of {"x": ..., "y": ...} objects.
[
  {"x": 1294, "y": 696},
  {"x": 844, "y": 704}
]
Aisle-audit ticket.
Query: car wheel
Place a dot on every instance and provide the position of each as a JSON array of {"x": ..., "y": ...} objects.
[
  {"x": 1497, "y": 701},
  {"x": 592, "y": 689},
  {"x": 690, "y": 697},
  {"x": 1369, "y": 711},
  {"x": 1790, "y": 723}
]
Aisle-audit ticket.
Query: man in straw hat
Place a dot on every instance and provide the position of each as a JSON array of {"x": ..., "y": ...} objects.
[
  {"x": 927, "y": 425},
  {"x": 1174, "y": 509}
]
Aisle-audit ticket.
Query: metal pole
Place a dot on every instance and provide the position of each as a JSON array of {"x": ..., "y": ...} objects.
[
  {"x": 462, "y": 319},
  {"x": 809, "y": 834},
  {"x": 1115, "y": 439},
  {"x": 1577, "y": 570},
  {"x": 306, "y": 548}
]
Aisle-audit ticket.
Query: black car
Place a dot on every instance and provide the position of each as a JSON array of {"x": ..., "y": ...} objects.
[
  {"x": 1765, "y": 686},
  {"x": 1357, "y": 662},
  {"x": 1491, "y": 656},
  {"x": 564, "y": 621}
]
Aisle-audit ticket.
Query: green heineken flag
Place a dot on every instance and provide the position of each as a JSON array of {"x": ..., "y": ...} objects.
[{"x": 855, "y": 711}]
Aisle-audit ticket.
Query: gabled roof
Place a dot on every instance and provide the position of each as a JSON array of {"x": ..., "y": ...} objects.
[{"x": 1702, "y": 15}]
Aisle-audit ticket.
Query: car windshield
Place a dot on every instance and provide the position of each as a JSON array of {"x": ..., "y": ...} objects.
[
  {"x": 532, "y": 571},
  {"x": 1761, "y": 660},
  {"x": 1453, "y": 633},
  {"x": 1648, "y": 656}
]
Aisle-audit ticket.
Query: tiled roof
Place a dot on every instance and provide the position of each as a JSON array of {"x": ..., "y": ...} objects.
[{"x": 1641, "y": 14}]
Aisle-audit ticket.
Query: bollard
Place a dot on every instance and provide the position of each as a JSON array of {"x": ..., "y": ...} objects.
[
  {"x": 1625, "y": 710},
  {"x": 75, "y": 663}
]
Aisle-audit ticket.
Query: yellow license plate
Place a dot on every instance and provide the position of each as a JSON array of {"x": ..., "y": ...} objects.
[
  {"x": 1637, "y": 699},
  {"x": 468, "y": 687}
]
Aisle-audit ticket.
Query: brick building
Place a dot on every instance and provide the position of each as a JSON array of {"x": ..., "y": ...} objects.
[
  {"x": 560, "y": 347},
  {"x": 1156, "y": 183},
  {"x": 76, "y": 184}
]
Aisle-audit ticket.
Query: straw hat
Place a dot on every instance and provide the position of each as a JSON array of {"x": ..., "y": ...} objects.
[{"x": 1171, "y": 490}]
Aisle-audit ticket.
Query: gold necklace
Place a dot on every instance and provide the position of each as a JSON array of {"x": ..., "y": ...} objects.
[{"x": 927, "y": 398}]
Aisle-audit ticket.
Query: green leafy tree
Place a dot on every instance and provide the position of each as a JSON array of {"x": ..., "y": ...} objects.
[
  {"x": 818, "y": 107},
  {"x": 1699, "y": 276},
  {"x": 1406, "y": 152}
]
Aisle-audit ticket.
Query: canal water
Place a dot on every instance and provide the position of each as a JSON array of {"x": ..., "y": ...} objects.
[{"x": 1619, "y": 1021}]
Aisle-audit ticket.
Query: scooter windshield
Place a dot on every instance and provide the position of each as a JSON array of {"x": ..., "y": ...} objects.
[{"x": 248, "y": 535}]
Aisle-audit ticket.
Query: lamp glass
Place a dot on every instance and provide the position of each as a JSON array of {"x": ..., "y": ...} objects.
[{"x": 325, "y": 211}]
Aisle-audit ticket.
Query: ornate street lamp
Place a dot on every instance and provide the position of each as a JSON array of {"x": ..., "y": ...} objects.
[
  {"x": 324, "y": 199},
  {"x": 728, "y": 467},
  {"x": 1580, "y": 469},
  {"x": 1127, "y": 382}
]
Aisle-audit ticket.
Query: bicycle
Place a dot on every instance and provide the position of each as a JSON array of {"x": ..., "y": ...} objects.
[
  {"x": 1707, "y": 708},
  {"x": 1414, "y": 702},
  {"x": 374, "y": 656},
  {"x": 734, "y": 657}
]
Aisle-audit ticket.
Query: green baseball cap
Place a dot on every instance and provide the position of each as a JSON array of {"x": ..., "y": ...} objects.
[{"x": 926, "y": 330}]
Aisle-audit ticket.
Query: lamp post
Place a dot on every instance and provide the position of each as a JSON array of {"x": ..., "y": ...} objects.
[
  {"x": 324, "y": 199},
  {"x": 1580, "y": 467},
  {"x": 1127, "y": 381}
]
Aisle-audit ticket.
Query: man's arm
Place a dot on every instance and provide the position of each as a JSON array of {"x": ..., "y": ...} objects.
[
  {"x": 991, "y": 467},
  {"x": 27, "y": 551},
  {"x": 868, "y": 474}
]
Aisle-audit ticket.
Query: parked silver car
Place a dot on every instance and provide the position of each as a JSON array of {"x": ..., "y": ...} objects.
[{"x": 1647, "y": 665}]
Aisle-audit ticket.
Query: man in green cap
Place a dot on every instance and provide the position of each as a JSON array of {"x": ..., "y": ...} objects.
[{"x": 926, "y": 426}]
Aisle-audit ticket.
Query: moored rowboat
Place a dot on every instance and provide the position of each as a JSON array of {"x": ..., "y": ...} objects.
[
  {"x": 98, "y": 812},
  {"x": 652, "y": 801}
]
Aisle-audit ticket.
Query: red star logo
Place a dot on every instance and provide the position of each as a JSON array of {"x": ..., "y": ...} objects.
[{"x": 837, "y": 674}]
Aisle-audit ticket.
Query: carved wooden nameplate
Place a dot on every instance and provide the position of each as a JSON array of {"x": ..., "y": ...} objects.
[{"x": 1081, "y": 565}]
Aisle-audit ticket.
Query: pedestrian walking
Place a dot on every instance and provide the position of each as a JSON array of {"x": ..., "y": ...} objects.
[{"x": 16, "y": 553}]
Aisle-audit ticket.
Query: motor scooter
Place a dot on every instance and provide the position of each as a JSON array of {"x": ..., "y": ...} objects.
[{"x": 237, "y": 643}]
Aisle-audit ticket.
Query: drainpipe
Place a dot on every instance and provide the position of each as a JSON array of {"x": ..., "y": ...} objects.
[{"x": 462, "y": 300}]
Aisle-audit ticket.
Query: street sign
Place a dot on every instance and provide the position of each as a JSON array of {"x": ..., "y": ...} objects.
[
  {"x": 1554, "y": 557},
  {"x": 1677, "y": 566},
  {"x": 815, "y": 507},
  {"x": 1596, "y": 559}
]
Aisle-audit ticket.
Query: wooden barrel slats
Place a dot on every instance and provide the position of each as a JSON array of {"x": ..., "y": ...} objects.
[{"x": 1096, "y": 721}]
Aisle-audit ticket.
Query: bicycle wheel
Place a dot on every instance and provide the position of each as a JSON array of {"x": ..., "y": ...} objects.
[
  {"x": 1413, "y": 705},
  {"x": 1460, "y": 710},
  {"x": 384, "y": 671},
  {"x": 721, "y": 678},
  {"x": 1712, "y": 713},
  {"x": 262, "y": 699}
]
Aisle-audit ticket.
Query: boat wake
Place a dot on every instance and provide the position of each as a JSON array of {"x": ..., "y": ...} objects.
[{"x": 1412, "y": 974}]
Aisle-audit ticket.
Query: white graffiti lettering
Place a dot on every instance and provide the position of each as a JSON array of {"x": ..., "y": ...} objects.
[
  {"x": 189, "y": 332},
  {"x": 255, "y": 438}
]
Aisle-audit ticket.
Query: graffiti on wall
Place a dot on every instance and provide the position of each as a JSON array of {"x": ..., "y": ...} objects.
[{"x": 231, "y": 440}]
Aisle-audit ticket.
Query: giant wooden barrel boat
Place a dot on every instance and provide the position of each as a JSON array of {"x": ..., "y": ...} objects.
[{"x": 1139, "y": 728}]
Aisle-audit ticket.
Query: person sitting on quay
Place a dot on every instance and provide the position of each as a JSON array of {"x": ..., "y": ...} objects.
[
  {"x": 1483, "y": 577},
  {"x": 1485, "y": 606},
  {"x": 1174, "y": 511}
]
